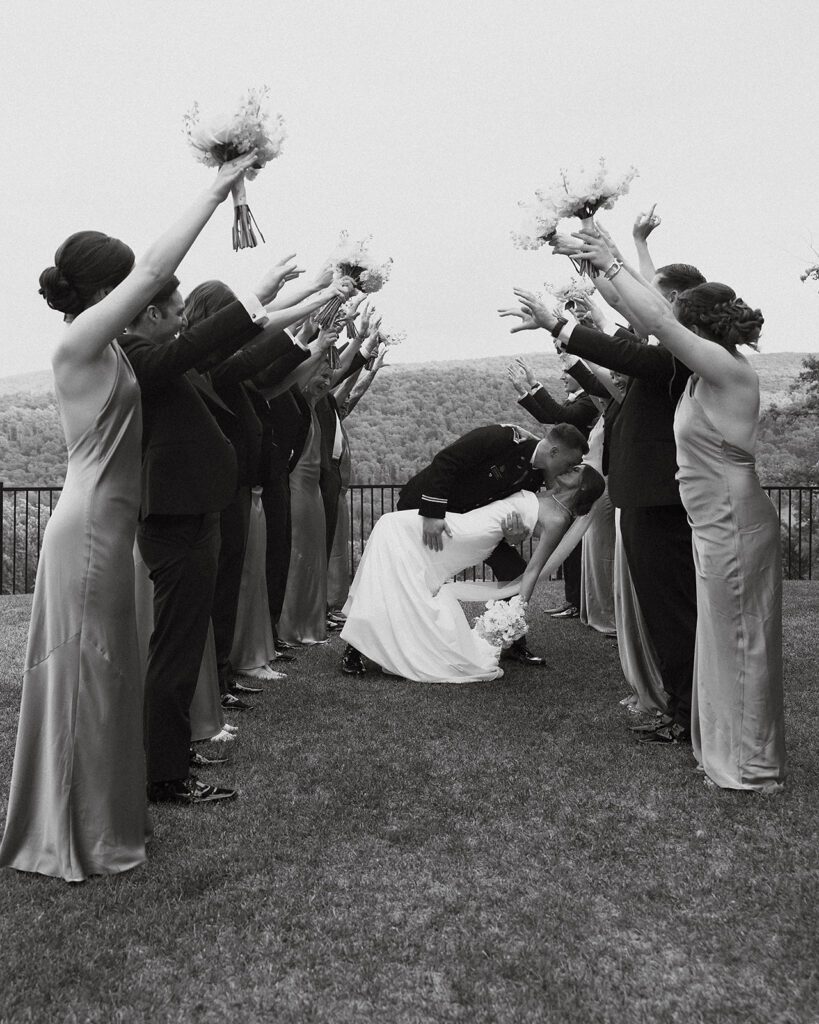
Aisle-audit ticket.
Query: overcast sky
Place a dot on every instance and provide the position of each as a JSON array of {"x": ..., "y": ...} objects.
[{"x": 421, "y": 123}]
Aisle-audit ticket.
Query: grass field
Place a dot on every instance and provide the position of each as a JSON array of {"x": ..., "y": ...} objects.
[{"x": 404, "y": 853}]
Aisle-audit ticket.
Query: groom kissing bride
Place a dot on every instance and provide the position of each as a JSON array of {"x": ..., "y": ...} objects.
[{"x": 476, "y": 495}]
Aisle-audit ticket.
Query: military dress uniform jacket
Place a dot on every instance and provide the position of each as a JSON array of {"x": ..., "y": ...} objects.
[{"x": 484, "y": 465}]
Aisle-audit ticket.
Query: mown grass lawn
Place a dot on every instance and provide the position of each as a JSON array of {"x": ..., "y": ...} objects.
[{"x": 405, "y": 852}]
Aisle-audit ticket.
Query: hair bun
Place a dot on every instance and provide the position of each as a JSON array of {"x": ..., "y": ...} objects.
[{"x": 59, "y": 293}]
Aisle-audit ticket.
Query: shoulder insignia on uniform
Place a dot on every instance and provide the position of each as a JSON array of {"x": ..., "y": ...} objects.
[{"x": 518, "y": 434}]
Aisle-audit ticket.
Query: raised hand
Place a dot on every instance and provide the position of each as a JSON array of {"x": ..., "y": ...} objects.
[
  {"x": 284, "y": 270},
  {"x": 587, "y": 245},
  {"x": 230, "y": 172},
  {"x": 327, "y": 337},
  {"x": 533, "y": 313},
  {"x": 517, "y": 376},
  {"x": 379, "y": 359},
  {"x": 531, "y": 379},
  {"x": 343, "y": 286},
  {"x": 645, "y": 224}
]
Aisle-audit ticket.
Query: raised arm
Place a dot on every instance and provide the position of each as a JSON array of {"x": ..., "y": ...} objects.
[
  {"x": 90, "y": 333},
  {"x": 643, "y": 226},
  {"x": 715, "y": 364}
]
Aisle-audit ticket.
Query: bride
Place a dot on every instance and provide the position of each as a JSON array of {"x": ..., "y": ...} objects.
[{"x": 404, "y": 615}]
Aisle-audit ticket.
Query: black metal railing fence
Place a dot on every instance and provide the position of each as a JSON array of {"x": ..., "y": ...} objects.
[{"x": 25, "y": 511}]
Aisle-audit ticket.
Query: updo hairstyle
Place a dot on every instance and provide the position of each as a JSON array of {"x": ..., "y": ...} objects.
[
  {"x": 84, "y": 263},
  {"x": 716, "y": 310}
]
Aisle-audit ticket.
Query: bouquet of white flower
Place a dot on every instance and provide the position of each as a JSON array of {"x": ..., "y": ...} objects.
[
  {"x": 811, "y": 273},
  {"x": 220, "y": 137},
  {"x": 580, "y": 195},
  {"x": 392, "y": 338},
  {"x": 352, "y": 259},
  {"x": 503, "y": 622},
  {"x": 577, "y": 288}
]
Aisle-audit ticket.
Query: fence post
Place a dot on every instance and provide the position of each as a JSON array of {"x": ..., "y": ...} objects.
[{"x": 2, "y": 536}]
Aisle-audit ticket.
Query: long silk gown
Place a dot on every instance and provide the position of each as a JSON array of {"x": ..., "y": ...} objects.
[
  {"x": 304, "y": 615},
  {"x": 253, "y": 647},
  {"x": 597, "y": 573},
  {"x": 401, "y": 616},
  {"x": 638, "y": 658},
  {"x": 738, "y": 726},
  {"x": 77, "y": 805},
  {"x": 338, "y": 568}
]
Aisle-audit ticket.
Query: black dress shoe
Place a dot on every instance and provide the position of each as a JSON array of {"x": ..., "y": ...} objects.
[
  {"x": 230, "y": 702},
  {"x": 667, "y": 734},
  {"x": 188, "y": 791},
  {"x": 520, "y": 653},
  {"x": 200, "y": 761},
  {"x": 352, "y": 664}
]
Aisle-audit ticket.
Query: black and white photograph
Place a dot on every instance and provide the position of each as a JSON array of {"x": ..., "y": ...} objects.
[{"x": 409, "y": 506}]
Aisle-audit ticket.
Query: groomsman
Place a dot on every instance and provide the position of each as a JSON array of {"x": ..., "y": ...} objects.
[
  {"x": 189, "y": 475},
  {"x": 639, "y": 457},
  {"x": 483, "y": 466}
]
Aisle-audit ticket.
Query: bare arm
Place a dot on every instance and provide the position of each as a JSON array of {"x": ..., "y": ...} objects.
[
  {"x": 643, "y": 226},
  {"x": 716, "y": 365},
  {"x": 549, "y": 538},
  {"x": 88, "y": 336}
]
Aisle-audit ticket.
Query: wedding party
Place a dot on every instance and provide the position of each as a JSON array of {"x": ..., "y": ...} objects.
[{"x": 421, "y": 625}]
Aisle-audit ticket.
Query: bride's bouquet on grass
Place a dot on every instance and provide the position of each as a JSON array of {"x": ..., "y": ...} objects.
[
  {"x": 503, "y": 622},
  {"x": 353, "y": 259},
  {"x": 579, "y": 194},
  {"x": 217, "y": 138}
]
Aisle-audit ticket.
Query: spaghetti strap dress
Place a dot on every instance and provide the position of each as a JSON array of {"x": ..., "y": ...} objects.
[
  {"x": 738, "y": 727},
  {"x": 77, "y": 805}
]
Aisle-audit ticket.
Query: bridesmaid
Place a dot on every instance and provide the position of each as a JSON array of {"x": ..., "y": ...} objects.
[
  {"x": 738, "y": 729},
  {"x": 304, "y": 615},
  {"x": 77, "y": 805}
]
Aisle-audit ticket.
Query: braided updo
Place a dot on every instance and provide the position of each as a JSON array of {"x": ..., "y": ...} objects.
[
  {"x": 716, "y": 309},
  {"x": 84, "y": 263}
]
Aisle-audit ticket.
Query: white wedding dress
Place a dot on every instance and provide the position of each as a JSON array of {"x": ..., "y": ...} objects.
[{"x": 400, "y": 615}]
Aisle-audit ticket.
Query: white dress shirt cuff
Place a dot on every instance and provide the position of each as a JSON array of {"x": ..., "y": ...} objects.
[{"x": 253, "y": 307}]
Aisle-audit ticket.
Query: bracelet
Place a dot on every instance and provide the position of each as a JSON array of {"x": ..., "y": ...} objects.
[{"x": 613, "y": 270}]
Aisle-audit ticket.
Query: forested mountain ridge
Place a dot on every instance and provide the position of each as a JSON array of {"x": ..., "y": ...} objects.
[{"x": 414, "y": 409}]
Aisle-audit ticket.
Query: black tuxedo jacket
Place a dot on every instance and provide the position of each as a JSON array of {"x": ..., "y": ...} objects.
[
  {"x": 188, "y": 465},
  {"x": 639, "y": 451},
  {"x": 581, "y": 413},
  {"x": 482, "y": 466},
  {"x": 272, "y": 358}
]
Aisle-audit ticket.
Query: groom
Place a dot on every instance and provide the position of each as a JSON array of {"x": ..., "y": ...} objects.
[{"x": 483, "y": 466}]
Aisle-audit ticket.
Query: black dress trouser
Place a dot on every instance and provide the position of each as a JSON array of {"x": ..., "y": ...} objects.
[
  {"x": 661, "y": 563},
  {"x": 276, "y": 504},
  {"x": 233, "y": 526},
  {"x": 182, "y": 554}
]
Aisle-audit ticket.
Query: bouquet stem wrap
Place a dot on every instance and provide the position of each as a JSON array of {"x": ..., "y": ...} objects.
[
  {"x": 329, "y": 312},
  {"x": 244, "y": 237}
]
